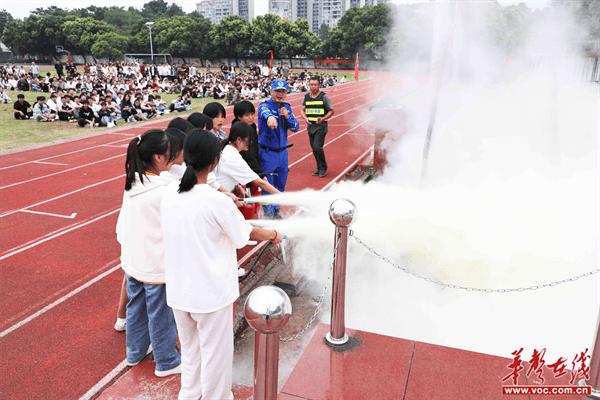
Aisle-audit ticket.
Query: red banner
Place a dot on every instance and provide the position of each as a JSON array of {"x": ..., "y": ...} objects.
[{"x": 356, "y": 68}]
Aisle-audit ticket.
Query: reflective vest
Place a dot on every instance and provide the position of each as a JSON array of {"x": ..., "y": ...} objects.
[{"x": 314, "y": 107}]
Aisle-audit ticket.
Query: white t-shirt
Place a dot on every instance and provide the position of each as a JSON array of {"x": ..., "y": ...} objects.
[
  {"x": 233, "y": 169},
  {"x": 177, "y": 172},
  {"x": 202, "y": 229}
]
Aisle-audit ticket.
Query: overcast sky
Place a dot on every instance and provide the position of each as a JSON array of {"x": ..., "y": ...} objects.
[{"x": 24, "y": 7}]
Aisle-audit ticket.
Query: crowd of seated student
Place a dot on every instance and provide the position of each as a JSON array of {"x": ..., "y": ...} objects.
[
  {"x": 98, "y": 108},
  {"x": 129, "y": 92}
]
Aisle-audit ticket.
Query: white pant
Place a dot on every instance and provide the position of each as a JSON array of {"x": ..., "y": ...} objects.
[{"x": 206, "y": 354}]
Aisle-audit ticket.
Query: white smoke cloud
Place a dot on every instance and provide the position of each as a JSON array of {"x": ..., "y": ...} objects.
[{"x": 510, "y": 197}]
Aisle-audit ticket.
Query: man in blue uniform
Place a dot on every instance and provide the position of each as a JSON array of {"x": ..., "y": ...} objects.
[{"x": 275, "y": 118}]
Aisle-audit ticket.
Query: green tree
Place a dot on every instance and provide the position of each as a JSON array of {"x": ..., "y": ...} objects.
[
  {"x": 12, "y": 36},
  {"x": 264, "y": 30},
  {"x": 294, "y": 39},
  {"x": 5, "y": 18},
  {"x": 361, "y": 29},
  {"x": 183, "y": 35},
  {"x": 105, "y": 49},
  {"x": 332, "y": 45},
  {"x": 231, "y": 37},
  {"x": 324, "y": 31},
  {"x": 117, "y": 45},
  {"x": 124, "y": 20},
  {"x": 587, "y": 14},
  {"x": 156, "y": 9},
  {"x": 81, "y": 33},
  {"x": 38, "y": 33},
  {"x": 91, "y": 11}
]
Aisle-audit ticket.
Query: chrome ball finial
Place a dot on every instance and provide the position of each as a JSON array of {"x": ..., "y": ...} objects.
[
  {"x": 342, "y": 212},
  {"x": 267, "y": 309}
]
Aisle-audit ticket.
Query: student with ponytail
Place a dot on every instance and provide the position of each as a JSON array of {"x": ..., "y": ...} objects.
[
  {"x": 176, "y": 138},
  {"x": 202, "y": 229},
  {"x": 178, "y": 168},
  {"x": 233, "y": 170},
  {"x": 148, "y": 317}
]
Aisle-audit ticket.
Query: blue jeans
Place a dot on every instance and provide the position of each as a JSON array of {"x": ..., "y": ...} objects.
[
  {"x": 277, "y": 163},
  {"x": 150, "y": 320}
]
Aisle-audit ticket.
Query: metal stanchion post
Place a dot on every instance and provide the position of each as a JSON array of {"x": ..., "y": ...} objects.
[
  {"x": 267, "y": 310},
  {"x": 594, "y": 380},
  {"x": 342, "y": 213}
]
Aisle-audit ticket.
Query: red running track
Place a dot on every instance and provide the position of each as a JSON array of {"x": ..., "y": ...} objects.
[{"x": 59, "y": 271}]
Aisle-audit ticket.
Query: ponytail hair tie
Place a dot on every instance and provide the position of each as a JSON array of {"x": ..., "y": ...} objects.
[{"x": 139, "y": 139}]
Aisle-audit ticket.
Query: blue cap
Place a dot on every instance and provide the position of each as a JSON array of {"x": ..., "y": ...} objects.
[{"x": 279, "y": 84}]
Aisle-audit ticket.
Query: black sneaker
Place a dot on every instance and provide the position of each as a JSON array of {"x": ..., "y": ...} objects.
[
  {"x": 315, "y": 172},
  {"x": 322, "y": 174}
]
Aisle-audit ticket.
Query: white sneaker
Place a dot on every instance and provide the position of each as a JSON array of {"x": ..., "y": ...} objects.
[
  {"x": 110, "y": 124},
  {"x": 241, "y": 272},
  {"x": 120, "y": 324},
  {"x": 172, "y": 371},
  {"x": 132, "y": 364}
]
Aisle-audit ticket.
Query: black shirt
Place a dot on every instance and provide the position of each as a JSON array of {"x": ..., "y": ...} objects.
[
  {"x": 21, "y": 107},
  {"x": 23, "y": 85},
  {"x": 86, "y": 113}
]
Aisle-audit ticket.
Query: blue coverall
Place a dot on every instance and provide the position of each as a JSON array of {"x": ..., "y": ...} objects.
[{"x": 272, "y": 144}]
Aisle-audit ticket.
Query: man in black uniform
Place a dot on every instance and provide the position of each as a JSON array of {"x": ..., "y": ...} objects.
[
  {"x": 22, "y": 108},
  {"x": 316, "y": 110}
]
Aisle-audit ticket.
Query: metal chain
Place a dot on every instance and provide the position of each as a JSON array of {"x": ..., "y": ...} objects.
[
  {"x": 320, "y": 302},
  {"x": 469, "y": 288}
]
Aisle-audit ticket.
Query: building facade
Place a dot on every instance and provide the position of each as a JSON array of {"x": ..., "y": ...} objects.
[
  {"x": 216, "y": 10},
  {"x": 317, "y": 12},
  {"x": 283, "y": 8}
]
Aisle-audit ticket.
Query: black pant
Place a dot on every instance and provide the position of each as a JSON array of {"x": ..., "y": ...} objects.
[
  {"x": 65, "y": 116},
  {"x": 84, "y": 122},
  {"x": 316, "y": 137},
  {"x": 26, "y": 116}
]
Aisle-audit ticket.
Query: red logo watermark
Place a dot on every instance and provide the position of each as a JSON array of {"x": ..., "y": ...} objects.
[{"x": 537, "y": 369}]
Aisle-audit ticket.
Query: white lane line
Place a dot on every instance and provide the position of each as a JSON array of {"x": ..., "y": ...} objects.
[
  {"x": 10, "y": 212},
  {"x": 51, "y": 233},
  {"x": 49, "y": 163},
  {"x": 339, "y": 88},
  {"x": 44, "y": 240},
  {"x": 119, "y": 146},
  {"x": 115, "y": 372},
  {"x": 60, "y": 300},
  {"x": 120, "y": 176},
  {"x": 115, "y": 268},
  {"x": 60, "y": 172},
  {"x": 335, "y": 115},
  {"x": 102, "y": 383},
  {"x": 352, "y": 165},
  {"x": 328, "y": 143},
  {"x": 63, "y": 154},
  {"x": 71, "y": 216}
]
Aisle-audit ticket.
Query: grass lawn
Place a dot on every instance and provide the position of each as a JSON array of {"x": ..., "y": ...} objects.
[{"x": 17, "y": 133}]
